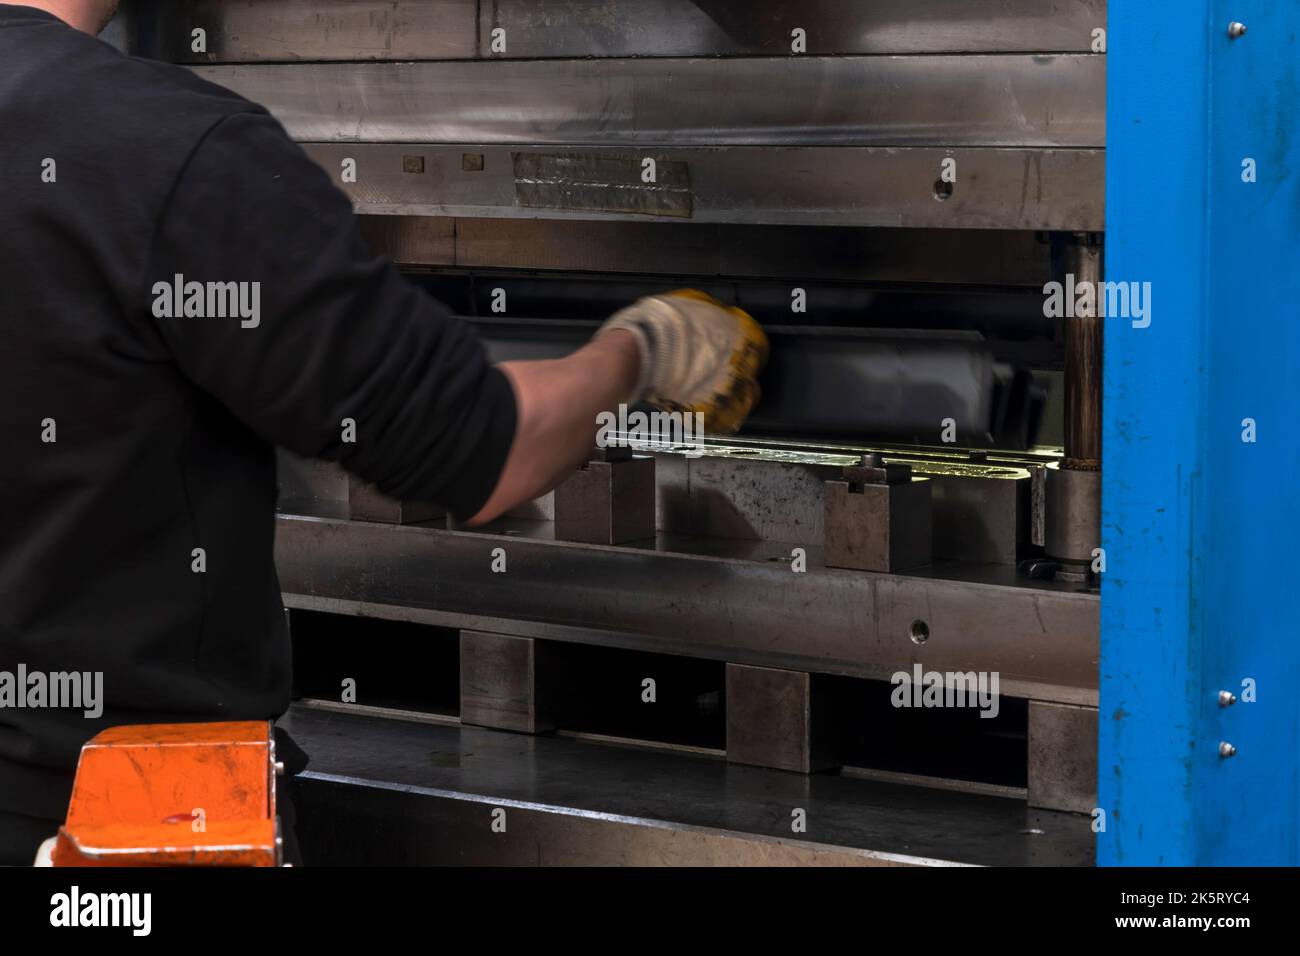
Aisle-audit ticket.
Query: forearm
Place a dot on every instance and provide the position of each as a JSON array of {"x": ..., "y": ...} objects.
[{"x": 557, "y": 403}]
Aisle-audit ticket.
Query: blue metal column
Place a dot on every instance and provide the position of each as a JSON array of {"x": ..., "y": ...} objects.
[{"x": 1200, "y": 526}]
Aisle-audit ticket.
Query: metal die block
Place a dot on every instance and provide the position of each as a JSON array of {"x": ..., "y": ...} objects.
[
  {"x": 368, "y": 503},
  {"x": 610, "y": 500},
  {"x": 884, "y": 526},
  {"x": 981, "y": 513}
]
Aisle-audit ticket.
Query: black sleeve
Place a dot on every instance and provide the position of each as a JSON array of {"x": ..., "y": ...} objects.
[{"x": 339, "y": 334}]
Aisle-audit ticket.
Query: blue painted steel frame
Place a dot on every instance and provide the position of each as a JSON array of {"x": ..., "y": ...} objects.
[{"x": 1200, "y": 527}]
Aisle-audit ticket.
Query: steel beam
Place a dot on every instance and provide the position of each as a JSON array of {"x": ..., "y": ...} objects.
[{"x": 737, "y": 601}]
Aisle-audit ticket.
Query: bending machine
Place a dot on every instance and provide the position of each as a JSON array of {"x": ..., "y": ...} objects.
[{"x": 703, "y": 650}]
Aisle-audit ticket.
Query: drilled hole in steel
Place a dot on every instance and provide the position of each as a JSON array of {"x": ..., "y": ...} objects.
[
  {"x": 942, "y": 190},
  {"x": 920, "y": 632}
]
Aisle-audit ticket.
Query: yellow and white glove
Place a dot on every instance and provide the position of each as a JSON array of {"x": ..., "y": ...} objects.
[{"x": 697, "y": 355}]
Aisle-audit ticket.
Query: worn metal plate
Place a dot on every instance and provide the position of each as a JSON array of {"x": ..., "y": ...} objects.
[
  {"x": 257, "y": 30},
  {"x": 389, "y": 792},
  {"x": 829, "y": 186},
  {"x": 994, "y": 100},
  {"x": 603, "y": 182}
]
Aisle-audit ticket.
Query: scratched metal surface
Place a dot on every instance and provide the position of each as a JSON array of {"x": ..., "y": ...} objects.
[
  {"x": 391, "y": 791},
  {"x": 992, "y": 100}
]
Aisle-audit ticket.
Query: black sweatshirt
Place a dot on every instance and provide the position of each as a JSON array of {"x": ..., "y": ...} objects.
[{"x": 137, "y": 475}]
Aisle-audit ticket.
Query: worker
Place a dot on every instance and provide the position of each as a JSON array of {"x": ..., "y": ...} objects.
[{"x": 181, "y": 290}]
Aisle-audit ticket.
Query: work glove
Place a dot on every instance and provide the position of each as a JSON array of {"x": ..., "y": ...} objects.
[{"x": 697, "y": 355}]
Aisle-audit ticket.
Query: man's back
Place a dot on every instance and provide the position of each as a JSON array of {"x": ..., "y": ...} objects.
[{"x": 137, "y": 485}]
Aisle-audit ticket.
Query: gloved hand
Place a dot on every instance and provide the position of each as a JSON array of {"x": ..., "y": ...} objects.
[{"x": 697, "y": 355}]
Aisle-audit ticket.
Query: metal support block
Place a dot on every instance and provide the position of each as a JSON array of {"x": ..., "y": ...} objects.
[
  {"x": 368, "y": 503},
  {"x": 610, "y": 500},
  {"x": 1062, "y": 757},
  {"x": 503, "y": 682},
  {"x": 878, "y": 518},
  {"x": 774, "y": 720}
]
